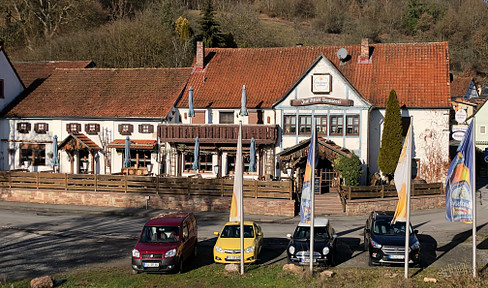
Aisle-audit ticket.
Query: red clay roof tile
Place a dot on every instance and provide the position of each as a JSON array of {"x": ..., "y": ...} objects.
[
  {"x": 99, "y": 92},
  {"x": 32, "y": 71},
  {"x": 419, "y": 73}
]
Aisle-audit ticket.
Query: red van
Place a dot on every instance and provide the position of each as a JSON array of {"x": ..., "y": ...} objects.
[{"x": 165, "y": 242}]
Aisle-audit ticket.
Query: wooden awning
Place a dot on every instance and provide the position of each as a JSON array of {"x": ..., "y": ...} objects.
[
  {"x": 327, "y": 149},
  {"x": 134, "y": 144},
  {"x": 78, "y": 141}
]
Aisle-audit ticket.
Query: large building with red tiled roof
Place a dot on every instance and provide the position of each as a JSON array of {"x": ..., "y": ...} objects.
[
  {"x": 345, "y": 88},
  {"x": 274, "y": 92},
  {"x": 91, "y": 111}
]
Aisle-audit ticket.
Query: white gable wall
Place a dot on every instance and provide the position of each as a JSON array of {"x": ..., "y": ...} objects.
[
  {"x": 340, "y": 89},
  {"x": 430, "y": 140},
  {"x": 12, "y": 84}
]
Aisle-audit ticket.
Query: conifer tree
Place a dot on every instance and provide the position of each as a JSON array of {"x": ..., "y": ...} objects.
[
  {"x": 211, "y": 35},
  {"x": 391, "y": 139}
]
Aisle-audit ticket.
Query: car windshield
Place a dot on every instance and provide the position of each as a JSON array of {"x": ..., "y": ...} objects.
[
  {"x": 232, "y": 231},
  {"x": 321, "y": 233},
  {"x": 160, "y": 234},
  {"x": 384, "y": 227}
]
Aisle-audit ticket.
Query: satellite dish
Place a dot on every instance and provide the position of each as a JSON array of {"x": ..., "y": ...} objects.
[{"x": 342, "y": 53}]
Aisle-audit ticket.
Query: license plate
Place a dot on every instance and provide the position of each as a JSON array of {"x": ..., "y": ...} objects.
[
  {"x": 233, "y": 257},
  {"x": 150, "y": 264},
  {"x": 307, "y": 260},
  {"x": 396, "y": 256}
]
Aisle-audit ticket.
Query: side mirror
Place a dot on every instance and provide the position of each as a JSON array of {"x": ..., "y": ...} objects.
[
  {"x": 288, "y": 236},
  {"x": 415, "y": 231},
  {"x": 367, "y": 230},
  {"x": 216, "y": 233},
  {"x": 260, "y": 233}
]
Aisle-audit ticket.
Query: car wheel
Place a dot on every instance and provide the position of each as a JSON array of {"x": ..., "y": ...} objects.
[
  {"x": 370, "y": 261},
  {"x": 331, "y": 259},
  {"x": 179, "y": 266},
  {"x": 366, "y": 244}
]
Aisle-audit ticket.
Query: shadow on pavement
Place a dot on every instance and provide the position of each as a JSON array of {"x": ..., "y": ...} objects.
[{"x": 345, "y": 248}]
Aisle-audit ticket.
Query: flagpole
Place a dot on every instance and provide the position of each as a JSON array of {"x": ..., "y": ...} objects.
[
  {"x": 241, "y": 200},
  {"x": 312, "y": 196},
  {"x": 475, "y": 271},
  {"x": 409, "y": 183}
]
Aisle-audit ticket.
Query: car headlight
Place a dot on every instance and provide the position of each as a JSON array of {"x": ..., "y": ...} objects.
[
  {"x": 291, "y": 249},
  {"x": 170, "y": 253},
  {"x": 136, "y": 253},
  {"x": 326, "y": 250},
  {"x": 249, "y": 249},
  {"x": 415, "y": 245},
  {"x": 218, "y": 249},
  {"x": 375, "y": 245}
]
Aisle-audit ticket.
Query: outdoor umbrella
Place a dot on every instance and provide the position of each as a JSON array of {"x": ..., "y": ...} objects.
[
  {"x": 127, "y": 152},
  {"x": 191, "y": 112},
  {"x": 55, "y": 161},
  {"x": 196, "y": 154},
  {"x": 243, "y": 102},
  {"x": 252, "y": 163}
]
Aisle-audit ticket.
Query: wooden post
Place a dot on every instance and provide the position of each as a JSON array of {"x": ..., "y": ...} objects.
[
  {"x": 412, "y": 189},
  {"x": 382, "y": 191},
  {"x": 66, "y": 181},
  {"x": 96, "y": 182},
  {"x": 37, "y": 180},
  {"x": 255, "y": 189},
  {"x": 221, "y": 187},
  {"x": 157, "y": 184},
  {"x": 290, "y": 189},
  {"x": 348, "y": 191},
  {"x": 125, "y": 180},
  {"x": 189, "y": 186}
]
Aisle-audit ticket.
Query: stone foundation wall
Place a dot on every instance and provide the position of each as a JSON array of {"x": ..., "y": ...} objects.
[
  {"x": 365, "y": 206},
  {"x": 257, "y": 206}
]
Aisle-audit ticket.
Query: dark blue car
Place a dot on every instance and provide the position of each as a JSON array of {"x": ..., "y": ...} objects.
[{"x": 386, "y": 241}]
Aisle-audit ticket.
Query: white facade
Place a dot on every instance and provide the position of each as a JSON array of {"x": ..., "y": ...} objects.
[
  {"x": 11, "y": 84},
  {"x": 352, "y": 105},
  {"x": 106, "y": 160}
]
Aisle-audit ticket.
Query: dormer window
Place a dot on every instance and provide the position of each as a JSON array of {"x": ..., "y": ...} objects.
[
  {"x": 23, "y": 127},
  {"x": 126, "y": 129},
  {"x": 73, "y": 127},
  {"x": 92, "y": 128},
  {"x": 41, "y": 128}
]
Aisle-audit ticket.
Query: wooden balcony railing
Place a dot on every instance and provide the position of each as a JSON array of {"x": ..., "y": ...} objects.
[{"x": 218, "y": 133}]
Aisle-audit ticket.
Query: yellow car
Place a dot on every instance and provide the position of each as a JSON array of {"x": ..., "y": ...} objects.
[{"x": 227, "y": 249}]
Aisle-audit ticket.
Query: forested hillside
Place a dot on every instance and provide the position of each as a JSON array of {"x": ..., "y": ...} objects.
[{"x": 162, "y": 33}]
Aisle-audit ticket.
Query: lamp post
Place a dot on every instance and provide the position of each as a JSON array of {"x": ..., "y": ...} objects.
[{"x": 216, "y": 170}]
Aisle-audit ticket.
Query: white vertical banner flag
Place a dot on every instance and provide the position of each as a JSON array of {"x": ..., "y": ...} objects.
[
  {"x": 403, "y": 176},
  {"x": 236, "y": 205}
]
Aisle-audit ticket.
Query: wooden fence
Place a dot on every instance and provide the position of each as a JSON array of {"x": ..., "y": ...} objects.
[
  {"x": 361, "y": 192},
  {"x": 144, "y": 184}
]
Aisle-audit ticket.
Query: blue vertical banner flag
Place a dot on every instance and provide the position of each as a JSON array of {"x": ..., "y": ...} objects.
[
  {"x": 306, "y": 201},
  {"x": 460, "y": 181}
]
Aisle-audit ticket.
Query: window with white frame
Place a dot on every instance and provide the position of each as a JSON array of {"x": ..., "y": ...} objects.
[
  {"x": 41, "y": 128},
  {"x": 92, "y": 128}
]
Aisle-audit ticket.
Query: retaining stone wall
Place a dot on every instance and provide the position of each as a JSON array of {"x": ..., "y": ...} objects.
[
  {"x": 257, "y": 206},
  {"x": 365, "y": 206}
]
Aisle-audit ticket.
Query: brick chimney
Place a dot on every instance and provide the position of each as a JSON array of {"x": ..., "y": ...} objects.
[
  {"x": 364, "y": 56},
  {"x": 200, "y": 60}
]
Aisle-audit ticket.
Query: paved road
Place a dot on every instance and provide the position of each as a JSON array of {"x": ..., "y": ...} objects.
[{"x": 47, "y": 239}]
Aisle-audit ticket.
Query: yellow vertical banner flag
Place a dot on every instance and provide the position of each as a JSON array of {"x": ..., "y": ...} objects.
[
  {"x": 235, "y": 206},
  {"x": 403, "y": 176}
]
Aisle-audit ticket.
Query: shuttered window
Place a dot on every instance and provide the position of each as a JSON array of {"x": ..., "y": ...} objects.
[
  {"x": 41, "y": 128},
  {"x": 126, "y": 129},
  {"x": 23, "y": 127},
  {"x": 92, "y": 128},
  {"x": 146, "y": 128}
]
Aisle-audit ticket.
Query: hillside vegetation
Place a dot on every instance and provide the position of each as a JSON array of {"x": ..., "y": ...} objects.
[{"x": 162, "y": 33}]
